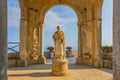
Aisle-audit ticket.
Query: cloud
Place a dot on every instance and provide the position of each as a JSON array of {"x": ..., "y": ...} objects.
[
  {"x": 13, "y": 16},
  {"x": 52, "y": 20}
]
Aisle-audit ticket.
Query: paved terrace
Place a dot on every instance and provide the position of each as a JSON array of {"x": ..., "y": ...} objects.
[{"x": 43, "y": 72}]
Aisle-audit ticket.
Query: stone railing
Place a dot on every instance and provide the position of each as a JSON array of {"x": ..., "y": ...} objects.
[{"x": 107, "y": 60}]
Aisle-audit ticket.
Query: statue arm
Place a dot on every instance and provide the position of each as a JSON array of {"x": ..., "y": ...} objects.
[
  {"x": 63, "y": 37},
  {"x": 55, "y": 36}
]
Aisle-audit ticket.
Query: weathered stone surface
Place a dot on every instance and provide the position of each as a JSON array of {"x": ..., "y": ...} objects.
[
  {"x": 41, "y": 60},
  {"x": 116, "y": 40},
  {"x": 21, "y": 63},
  {"x": 59, "y": 44},
  {"x": 60, "y": 67},
  {"x": 79, "y": 60},
  {"x": 13, "y": 56},
  {"x": 3, "y": 39},
  {"x": 89, "y": 26},
  {"x": 107, "y": 64},
  {"x": 23, "y": 32},
  {"x": 12, "y": 63},
  {"x": 107, "y": 56}
]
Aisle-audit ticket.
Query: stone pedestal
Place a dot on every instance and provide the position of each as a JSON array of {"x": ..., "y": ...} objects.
[
  {"x": 51, "y": 54},
  {"x": 60, "y": 67}
]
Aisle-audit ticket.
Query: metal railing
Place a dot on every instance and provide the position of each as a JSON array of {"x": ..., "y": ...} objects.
[{"x": 13, "y": 46}]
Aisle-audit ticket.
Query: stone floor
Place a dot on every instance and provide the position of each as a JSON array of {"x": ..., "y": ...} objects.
[{"x": 43, "y": 72}]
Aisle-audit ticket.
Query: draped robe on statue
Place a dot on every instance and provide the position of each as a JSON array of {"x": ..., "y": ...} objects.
[{"x": 59, "y": 44}]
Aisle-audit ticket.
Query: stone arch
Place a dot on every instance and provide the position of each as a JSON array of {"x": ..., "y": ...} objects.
[
  {"x": 80, "y": 18},
  {"x": 46, "y": 11},
  {"x": 116, "y": 39},
  {"x": 87, "y": 24},
  {"x": 48, "y": 6}
]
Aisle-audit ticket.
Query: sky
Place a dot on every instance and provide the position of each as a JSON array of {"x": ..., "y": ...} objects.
[{"x": 63, "y": 16}]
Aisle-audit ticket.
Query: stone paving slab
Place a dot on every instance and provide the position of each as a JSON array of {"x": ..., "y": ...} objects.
[{"x": 43, "y": 72}]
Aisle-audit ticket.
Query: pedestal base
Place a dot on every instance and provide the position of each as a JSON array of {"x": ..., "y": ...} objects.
[
  {"x": 98, "y": 63},
  {"x": 60, "y": 67}
]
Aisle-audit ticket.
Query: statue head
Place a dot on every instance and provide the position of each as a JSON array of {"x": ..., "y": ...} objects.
[{"x": 58, "y": 28}]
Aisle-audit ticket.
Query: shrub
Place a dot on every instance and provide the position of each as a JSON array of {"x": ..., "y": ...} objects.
[{"x": 107, "y": 49}]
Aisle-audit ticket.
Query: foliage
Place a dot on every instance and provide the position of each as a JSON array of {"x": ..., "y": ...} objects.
[{"x": 107, "y": 49}]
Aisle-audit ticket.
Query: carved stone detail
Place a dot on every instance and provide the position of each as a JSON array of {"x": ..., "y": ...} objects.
[{"x": 90, "y": 32}]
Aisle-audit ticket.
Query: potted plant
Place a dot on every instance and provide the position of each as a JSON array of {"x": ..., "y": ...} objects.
[
  {"x": 69, "y": 48},
  {"x": 69, "y": 51},
  {"x": 51, "y": 53},
  {"x": 50, "y": 48}
]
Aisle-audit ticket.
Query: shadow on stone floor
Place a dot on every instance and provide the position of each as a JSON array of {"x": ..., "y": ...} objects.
[
  {"x": 72, "y": 66},
  {"x": 110, "y": 71},
  {"x": 49, "y": 67},
  {"x": 36, "y": 74}
]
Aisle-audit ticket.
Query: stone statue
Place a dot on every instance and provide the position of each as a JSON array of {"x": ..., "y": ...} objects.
[
  {"x": 59, "y": 63},
  {"x": 59, "y": 43}
]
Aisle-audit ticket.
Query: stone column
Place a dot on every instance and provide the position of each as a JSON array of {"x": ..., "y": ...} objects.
[
  {"x": 42, "y": 59},
  {"x": 97, "y": 61},
  {"x": 23, "y": 36},
  {"x": 116, "y": 40},
  {"x": 97, "y": 34},
  {"x": 3, "y": 39},
  {"x": 79, "y": 59}
]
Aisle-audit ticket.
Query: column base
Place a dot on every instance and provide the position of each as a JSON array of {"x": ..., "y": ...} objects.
[
  {"x": 60, "y": 67},
  {"x": 79, "y": 60},
  {"x": 98, "y": 64},
  {"x": 21, "y": 63},
  {"x": 83, "y": 61},
  {"x": 41, "y": 60}
]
